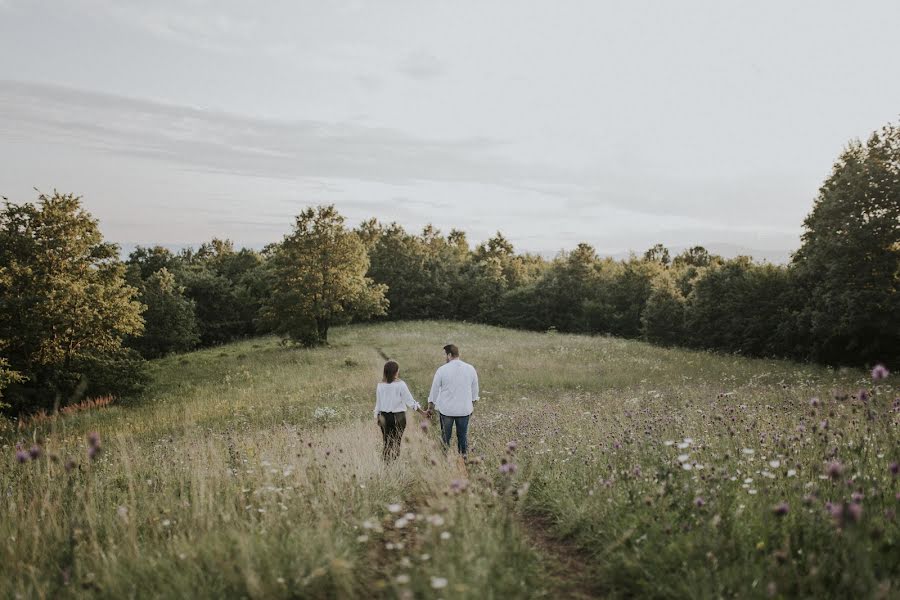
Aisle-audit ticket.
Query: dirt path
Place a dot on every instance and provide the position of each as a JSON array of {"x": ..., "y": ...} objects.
[{"x": 568, "y": 569}]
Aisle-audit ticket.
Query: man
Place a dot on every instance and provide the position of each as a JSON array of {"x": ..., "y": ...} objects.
[{"x": 454, "y": 393}]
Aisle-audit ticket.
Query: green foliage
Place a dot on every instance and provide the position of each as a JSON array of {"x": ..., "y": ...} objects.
[
  {"x": 320, "y": 279},
  {"x": 228, "y": 288},
  {"x": 742, "y": 307},
  {"x": 7, "y": 376},
  {"x": 662, "y": 320},
  {"x": 63, "y": 297},
  {"x": 169, "y": 321},
  {"x": 658, "y": 254},
  {"x": 849, "y": 264}
]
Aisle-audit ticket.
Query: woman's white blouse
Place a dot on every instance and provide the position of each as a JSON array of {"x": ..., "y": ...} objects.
[{"x": 393, "y": 397}]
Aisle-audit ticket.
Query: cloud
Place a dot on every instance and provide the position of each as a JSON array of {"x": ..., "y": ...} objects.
[
  {"x": 369, "y": 163},
  {"x": 422, "y": 65},
  {"x": 235, "y": 144}
]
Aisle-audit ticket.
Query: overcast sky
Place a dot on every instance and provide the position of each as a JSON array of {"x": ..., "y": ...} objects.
[{"x": 619, "y": 124}]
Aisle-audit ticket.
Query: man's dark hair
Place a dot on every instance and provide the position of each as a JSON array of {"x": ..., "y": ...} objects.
[{"x": 452, "y": 350}]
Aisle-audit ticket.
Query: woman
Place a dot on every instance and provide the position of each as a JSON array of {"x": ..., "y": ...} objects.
[{"x": 391, "y": 399}]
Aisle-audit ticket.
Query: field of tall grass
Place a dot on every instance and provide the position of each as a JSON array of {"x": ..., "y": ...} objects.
[{"x": 254, "y": 470}]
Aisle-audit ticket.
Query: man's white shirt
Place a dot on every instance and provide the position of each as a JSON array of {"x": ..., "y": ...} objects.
[{"x": 454, "y": 390}]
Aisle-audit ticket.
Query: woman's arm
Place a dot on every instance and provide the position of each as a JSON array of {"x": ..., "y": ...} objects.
[{"x": 409, "y": 400}]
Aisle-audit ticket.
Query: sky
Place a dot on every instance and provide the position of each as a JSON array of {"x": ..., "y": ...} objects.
[{"x": 619, "y": 124}]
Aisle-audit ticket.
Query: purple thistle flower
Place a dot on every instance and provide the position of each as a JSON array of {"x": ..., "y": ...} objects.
[
  {"x": 854, "y": 511},
  {"x": 699, "y": 502},
  {"x": 93, "y": 451},
  {"x": 814, "y": 402},
  {"x": 22, "y": 456},
  {"x": 508, "y": 468},
  {"x": 834, "y": 469},
  {"x": 94, "y": 439},
  {"x": 70, "y": 464},
  {"x": 781, "y": 509},
  {"x": 863, "y": 395},
  {"x": 857, "y": 497},
  {"x": 895, "y": 469},
  {"x": 511, "y": 446},
  {"x": 880, "y": 372},
  {"x": 458, "y": 485},
  {"x": 35, "y": 452}
]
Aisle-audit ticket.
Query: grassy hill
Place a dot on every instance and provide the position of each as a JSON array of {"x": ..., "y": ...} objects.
[{"x": 254, "y": 470}]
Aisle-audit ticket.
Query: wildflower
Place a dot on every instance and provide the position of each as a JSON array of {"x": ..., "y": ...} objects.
[
  {"x": 814, "y": 402},
  {"x": 669, "y": 442},
  {"x": 94, "y": 439},
  {"x": 401, "y": 523},
  {"x": 699, "y": 502},
  {"x": 511, "y": 446},
  {"x": 438, "y": 583},
  {"x": 445, "y": 535},
  {"x": 402, "y": 579},
  {"x": 774, "y": 463},
  {"x": 781, "y": 509},
  {"x": 895, "y": 468},
  {"x": 436, "y": 520},
  {"x": 834, "y": 469},
  {"x": 792, "y": 472},
  {"x": 458, "y": 485},
  {"x": 854, "y": 511},
  {"x": 22, "y": 456},
  {"x": 507, "y": 468},
  {"x": 362, "y": 539},
  {"x": 70, "y": 464},
  {"x": 857, "y": 497},
  {"x": 683, "y": 457},
  {"x": 748, "y": 451},
  {"x": 423, "y": 426},
  {"x": 166, "y": 523},
  {"x": 35, "y": 452},
  {"x": 395, "y": 508},
  {"x": 880, "y": 372},
  {"x": 93, "y": 451},
  {"x": 863, "y": 395}
]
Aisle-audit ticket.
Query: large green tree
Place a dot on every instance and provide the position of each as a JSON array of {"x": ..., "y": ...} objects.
[
  {"x": 169, "y": 321},
  {"x": 849, "y": 264},
  {"x": 64, "y": 302},
  {"x": 319, "y": 278}
]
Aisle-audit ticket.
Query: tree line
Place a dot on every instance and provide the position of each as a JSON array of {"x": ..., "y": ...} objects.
[{"x": 76, "y": 320}]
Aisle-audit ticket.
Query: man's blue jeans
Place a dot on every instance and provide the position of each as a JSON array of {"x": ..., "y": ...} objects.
[{"x": 462, "y": 432}]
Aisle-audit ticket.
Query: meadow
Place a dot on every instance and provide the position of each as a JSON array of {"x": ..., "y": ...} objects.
[{"x": 600, "y": 468}]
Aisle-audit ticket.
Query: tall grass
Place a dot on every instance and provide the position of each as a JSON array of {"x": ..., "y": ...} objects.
[{"x": 254, "y": 470}]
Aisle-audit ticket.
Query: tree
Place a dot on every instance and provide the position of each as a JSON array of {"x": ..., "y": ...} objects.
[
  {"x": 320, "y": 278},
  {"x": 658, "y": 254},
  {"x": 144, "y": 262},
  {"x": 63, "y": 296},
  {"x": 228, "y": 288},
  {"x": 662, "y": 320},
  {"x": 169, "y": 321},
  {"x": 848, "y": 266},
  {"x": 696, "y": 256},
  {"x": 742, "y": 307}
]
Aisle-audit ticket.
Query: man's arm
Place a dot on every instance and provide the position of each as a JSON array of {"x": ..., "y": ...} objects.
[{"x": 475, "y": 390}]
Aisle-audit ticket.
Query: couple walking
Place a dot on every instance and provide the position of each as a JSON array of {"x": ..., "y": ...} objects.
[{"x": 454, "y": 392}]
